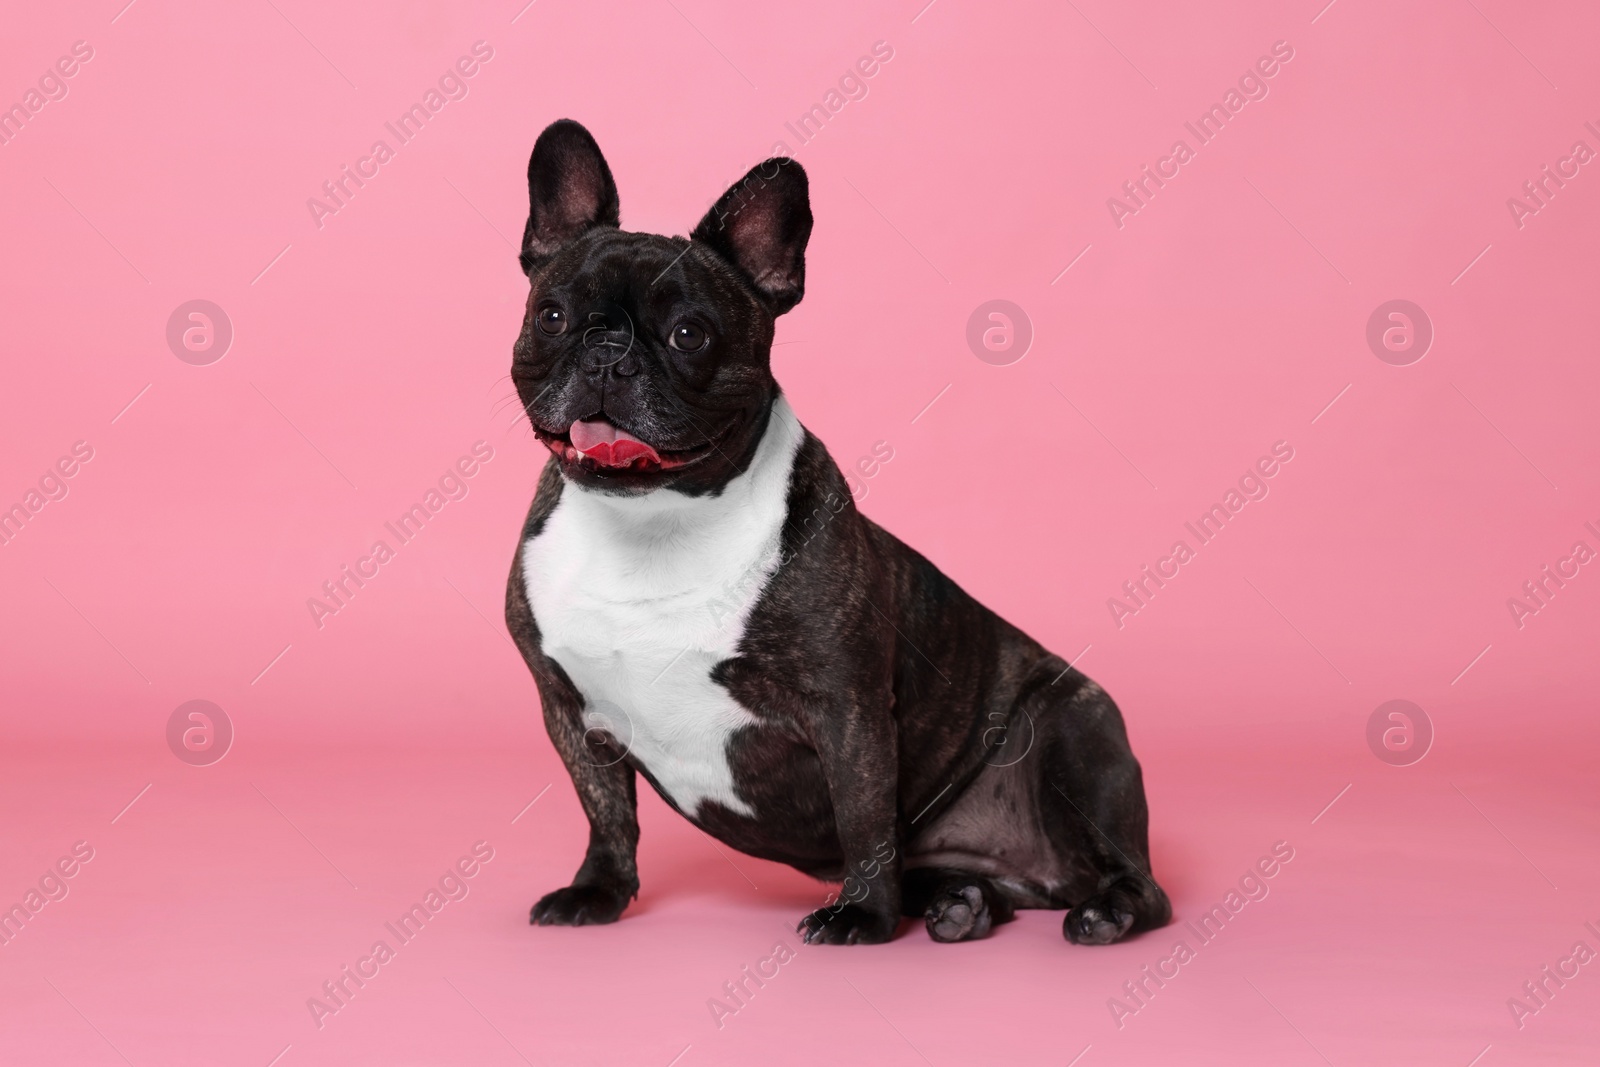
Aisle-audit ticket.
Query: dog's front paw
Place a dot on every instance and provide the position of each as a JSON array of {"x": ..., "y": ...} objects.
[
  {"x": 1096, "y": 922},
  {"x": 849, "y": 925},
  {"x": 579, "y": 905}
]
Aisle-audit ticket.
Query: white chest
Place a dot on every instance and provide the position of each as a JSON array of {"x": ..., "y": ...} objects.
[{"x": 638, "y": 598}]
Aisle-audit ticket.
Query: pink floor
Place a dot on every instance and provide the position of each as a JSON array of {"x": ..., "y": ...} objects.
[
  {"x": 217, "y": 905},
  {"x": 214, "y": 489}
]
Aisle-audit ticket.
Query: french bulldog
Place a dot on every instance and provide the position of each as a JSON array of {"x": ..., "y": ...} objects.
[{"x": 701, "y": 604}]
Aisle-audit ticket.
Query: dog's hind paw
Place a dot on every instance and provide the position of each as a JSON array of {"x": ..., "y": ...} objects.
[
  {"x": 1096, "y": 923},
  {"x": 960, "y": 913}
]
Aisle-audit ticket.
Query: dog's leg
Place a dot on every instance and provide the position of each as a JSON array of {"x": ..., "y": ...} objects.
[
  {"x": 609, "y": 876},
  {"x": 956, "y": 905},
  {"x": 1091, "y": 797},
  {"x": 859, "y": 755}
]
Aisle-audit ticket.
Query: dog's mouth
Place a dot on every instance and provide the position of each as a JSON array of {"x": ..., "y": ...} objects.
[{"x": 598, "y": 445}]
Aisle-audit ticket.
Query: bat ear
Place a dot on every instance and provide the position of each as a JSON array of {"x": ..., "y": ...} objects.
[
  {"x": 570, "y": 190},
  {"x": 761, "y": 226}
]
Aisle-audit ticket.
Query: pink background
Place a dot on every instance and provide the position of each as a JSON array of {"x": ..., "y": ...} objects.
[{"x": 370, "y": 353}]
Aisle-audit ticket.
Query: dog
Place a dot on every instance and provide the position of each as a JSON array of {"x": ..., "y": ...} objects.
[{"x": 701, "y": 604}]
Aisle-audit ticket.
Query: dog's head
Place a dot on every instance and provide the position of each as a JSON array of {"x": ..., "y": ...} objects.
[{"x": 644, "y": 361}]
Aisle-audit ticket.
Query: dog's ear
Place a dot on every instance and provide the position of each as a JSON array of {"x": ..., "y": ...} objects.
[
  {"x": 761, "y": 226},
  {"x": 570, "y": 190}
]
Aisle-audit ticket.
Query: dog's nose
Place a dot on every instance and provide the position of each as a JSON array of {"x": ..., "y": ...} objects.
[
  {"x": 600, "y": 356},
  {"x": 608, "y": 344}
]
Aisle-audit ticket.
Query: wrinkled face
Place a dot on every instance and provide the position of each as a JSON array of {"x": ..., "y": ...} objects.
[
  {"x": 643, "y": 361},
  {"x": 660, "y": 341}
]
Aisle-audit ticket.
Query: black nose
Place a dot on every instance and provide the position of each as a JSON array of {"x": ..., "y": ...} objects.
[{"x": 608, "y": 342}]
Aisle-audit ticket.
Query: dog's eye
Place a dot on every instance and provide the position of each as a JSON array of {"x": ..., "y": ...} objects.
[
  {"x": 552, "y": 320},
  {"x": 687, "y": 337}
]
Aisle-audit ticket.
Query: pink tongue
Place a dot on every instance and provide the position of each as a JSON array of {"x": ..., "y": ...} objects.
[{"x": 608, "y": 445}]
